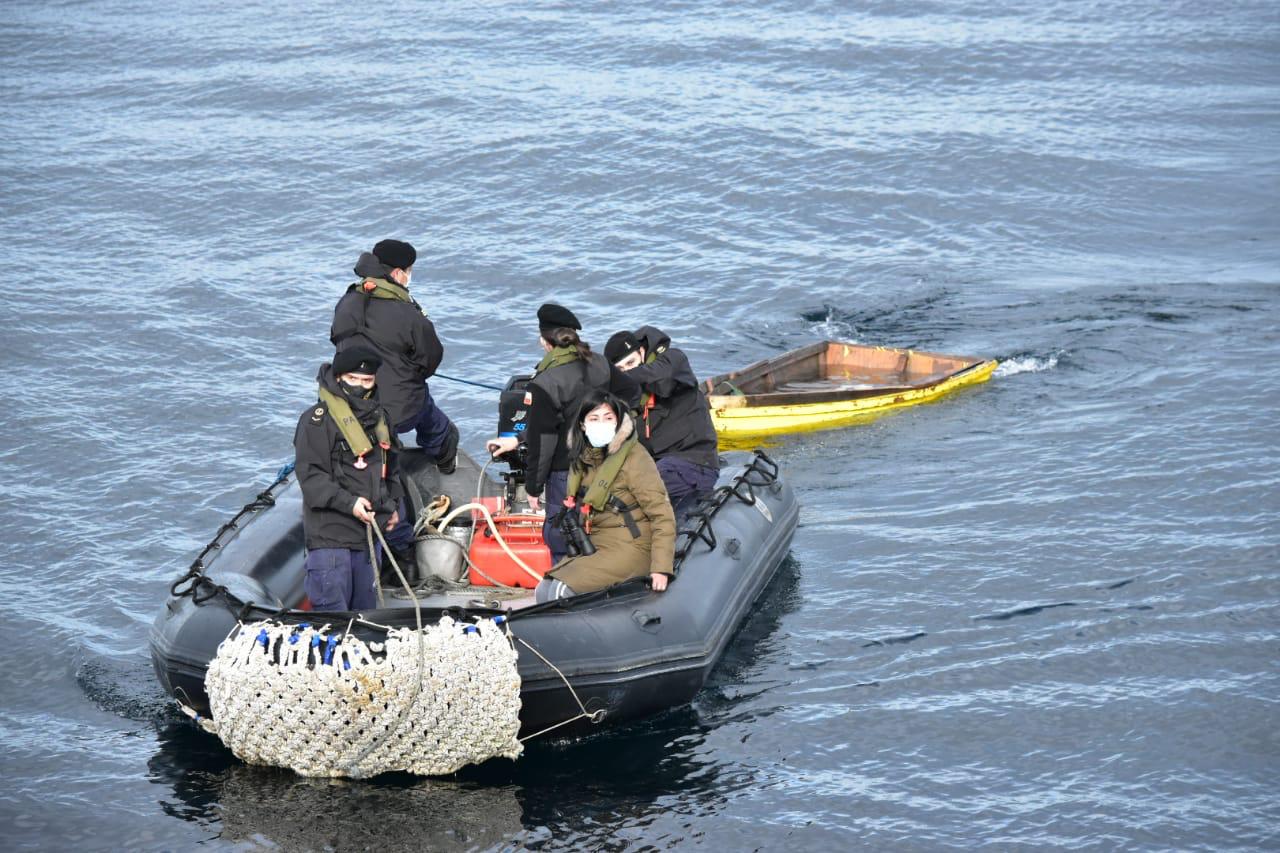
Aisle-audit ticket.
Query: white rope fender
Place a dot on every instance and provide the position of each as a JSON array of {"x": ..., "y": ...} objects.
[{"x": 331, "y": 705}]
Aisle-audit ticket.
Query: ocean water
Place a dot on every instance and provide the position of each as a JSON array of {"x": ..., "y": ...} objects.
[{"x": 1042, "y": 613}]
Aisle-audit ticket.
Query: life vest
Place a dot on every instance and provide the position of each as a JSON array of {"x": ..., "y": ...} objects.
[
  {"x": 375, "y": 288},
  {"x": 353, "y": 432},
  {"x": 599, "y": 492},
  {"x": 652, "y": 399},
  {"x": 557, "y": 357}
]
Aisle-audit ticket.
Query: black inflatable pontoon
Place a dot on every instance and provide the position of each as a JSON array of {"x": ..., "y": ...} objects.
[{"x": 627, "y": 650}]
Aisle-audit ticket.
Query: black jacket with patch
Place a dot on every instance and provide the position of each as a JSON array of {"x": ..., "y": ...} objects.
[
  {"x": 679, "y": 421},
  {"x": 329, "y": 479},
  {"x": 556, "y": 395}
]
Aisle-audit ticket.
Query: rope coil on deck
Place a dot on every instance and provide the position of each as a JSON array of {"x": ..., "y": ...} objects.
[{"x": 426, "y": 702}]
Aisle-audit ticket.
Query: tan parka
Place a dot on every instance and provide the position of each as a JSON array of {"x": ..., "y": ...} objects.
[{"x": 618, "y": 554}]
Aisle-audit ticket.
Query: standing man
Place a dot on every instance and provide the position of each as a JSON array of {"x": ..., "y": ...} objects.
[
  {"x": 675, "y": 420},
  {"x": 346, "y": 467},
  {"x": 378, "y": 312}
]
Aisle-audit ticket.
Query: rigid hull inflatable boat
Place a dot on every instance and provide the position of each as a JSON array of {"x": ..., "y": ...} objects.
[
  {"x": 830, "y": 384},
  {"x": 616, "y": 654}
]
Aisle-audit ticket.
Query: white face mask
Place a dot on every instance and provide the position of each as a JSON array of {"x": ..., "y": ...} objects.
[{"x": 600, "y": 433}]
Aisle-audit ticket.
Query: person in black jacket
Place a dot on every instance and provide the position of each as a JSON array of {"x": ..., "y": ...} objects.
[
  {"x": 567, "y": 372},
  {"x": 346, "y": 467},
  {"x": 675, "y": 420},
  {"x": 377, "y": 312}
]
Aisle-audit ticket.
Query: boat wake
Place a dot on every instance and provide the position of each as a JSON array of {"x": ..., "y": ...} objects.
[
  {"x": 125, "y": 687},
  {"x": 830, "y": 325},
  {"x": 1025, "y": 364}
]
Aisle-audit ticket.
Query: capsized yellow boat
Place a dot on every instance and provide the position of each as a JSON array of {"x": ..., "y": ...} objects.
[{"x": 831, "y": 384}]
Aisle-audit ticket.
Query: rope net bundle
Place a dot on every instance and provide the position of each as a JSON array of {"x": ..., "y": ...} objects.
[{"x": 426, "y": 701}]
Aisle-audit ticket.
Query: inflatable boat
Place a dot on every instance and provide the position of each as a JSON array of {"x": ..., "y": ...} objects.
[
  {"x": 601, "y": 657},
  {"x": 831, "y": 384}
]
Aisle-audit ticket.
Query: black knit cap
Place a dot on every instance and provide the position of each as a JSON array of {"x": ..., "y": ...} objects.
[
  {"x": 553, "y": 316},
  {"x": 396, "y": 254},
  {"x": 356, "y": 360},
  {"x": 620, "y": 346}
]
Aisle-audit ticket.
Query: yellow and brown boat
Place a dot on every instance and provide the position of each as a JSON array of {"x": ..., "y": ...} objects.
[{"x": 831, "y": 384}]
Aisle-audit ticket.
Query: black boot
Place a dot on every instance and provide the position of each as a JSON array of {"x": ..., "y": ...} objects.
[{"x": 447, "y": 458}]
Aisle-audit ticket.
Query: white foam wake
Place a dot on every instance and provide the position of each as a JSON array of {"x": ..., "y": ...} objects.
[
  {"x": 835, "y": 329},
  {"x": 1026, "y": 364}
]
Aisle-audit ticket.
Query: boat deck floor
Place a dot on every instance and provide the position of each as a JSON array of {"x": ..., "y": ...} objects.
[
  {"x": 494, "y": 598},
  {"x": 865, "y": 381}
]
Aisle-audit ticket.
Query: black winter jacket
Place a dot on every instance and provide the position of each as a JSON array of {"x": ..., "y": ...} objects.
[
  {"x": 679, "y": 422},
  {"x": 556, "y": 395},
  {"x": 329, "y": 479},
  {"x": 399, "y": 332}
]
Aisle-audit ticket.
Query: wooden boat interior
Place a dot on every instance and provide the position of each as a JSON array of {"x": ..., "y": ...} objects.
[{"x": 833, "y": 370}]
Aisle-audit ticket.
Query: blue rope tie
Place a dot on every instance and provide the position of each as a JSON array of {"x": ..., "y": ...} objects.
[{"x": 468, "y": 382}]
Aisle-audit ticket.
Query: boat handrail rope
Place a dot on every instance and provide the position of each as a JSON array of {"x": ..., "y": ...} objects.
[
  {"x": 195, "y": 577},
  {"x": 697, "y": 527}
]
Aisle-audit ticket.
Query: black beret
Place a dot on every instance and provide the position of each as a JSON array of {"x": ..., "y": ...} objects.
[
  {"x": 356, "y": 360},
  {"x": 620, "y": 346},
  {"x": 396, "y": 254},
  {"x": 553, "y": 316}
]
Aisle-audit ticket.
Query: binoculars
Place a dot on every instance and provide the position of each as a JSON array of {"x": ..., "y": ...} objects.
[{"x": 576, "y": 539}]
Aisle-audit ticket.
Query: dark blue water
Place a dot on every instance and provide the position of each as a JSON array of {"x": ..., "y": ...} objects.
[{"x": 1042, "y": 613}]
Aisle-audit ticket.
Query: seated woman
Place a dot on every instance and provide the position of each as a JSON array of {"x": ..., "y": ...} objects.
[{"x": 615, "y": 486}]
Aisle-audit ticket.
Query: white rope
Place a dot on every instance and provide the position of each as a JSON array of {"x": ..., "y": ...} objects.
[
  {"x": 479, "y": 489},
  {"x": 373, "y": 562},
  {"x": 422, "y": 652},
  {"x": 484, "y": 510},
  {"x": 593, "y": 716}
]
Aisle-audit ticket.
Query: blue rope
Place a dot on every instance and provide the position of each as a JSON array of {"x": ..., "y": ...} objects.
[{"x": 468, "y": 382}]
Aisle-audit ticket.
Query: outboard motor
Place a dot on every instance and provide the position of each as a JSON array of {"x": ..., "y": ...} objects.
[{"x": 513, "y": 410}]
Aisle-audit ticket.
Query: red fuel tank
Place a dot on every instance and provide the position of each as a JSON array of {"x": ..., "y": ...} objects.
[{"x": 523, "y": 535}]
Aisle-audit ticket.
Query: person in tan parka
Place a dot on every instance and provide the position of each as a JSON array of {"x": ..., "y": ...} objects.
[{"x": 623, "y": 505}]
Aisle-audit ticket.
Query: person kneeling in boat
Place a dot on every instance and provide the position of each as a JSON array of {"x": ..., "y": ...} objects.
[
  {"x": 346, "y": 467},
  {"x": 620, "y": 501},
  {"x": 675, "y": 420}
]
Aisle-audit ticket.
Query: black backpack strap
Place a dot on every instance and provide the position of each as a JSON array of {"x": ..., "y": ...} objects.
[{"x": 625, "y": 512}]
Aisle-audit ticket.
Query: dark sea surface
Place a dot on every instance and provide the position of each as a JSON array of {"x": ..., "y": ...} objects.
[{"x": 1043, "y": 613}]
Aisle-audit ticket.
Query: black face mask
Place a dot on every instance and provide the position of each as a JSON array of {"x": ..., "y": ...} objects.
[{"x": 356, "y": 392}]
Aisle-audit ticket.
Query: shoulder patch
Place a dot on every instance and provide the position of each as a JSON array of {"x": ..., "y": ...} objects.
[
  {"x": 528, "y": 398},
  {"x": 317, "y": 415}
]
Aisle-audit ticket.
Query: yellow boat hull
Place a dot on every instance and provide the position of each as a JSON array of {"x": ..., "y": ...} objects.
[{"x": 737, "y": 420}]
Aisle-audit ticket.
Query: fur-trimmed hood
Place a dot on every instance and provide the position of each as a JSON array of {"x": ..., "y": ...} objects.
[{"x": 626, "y": 427}]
